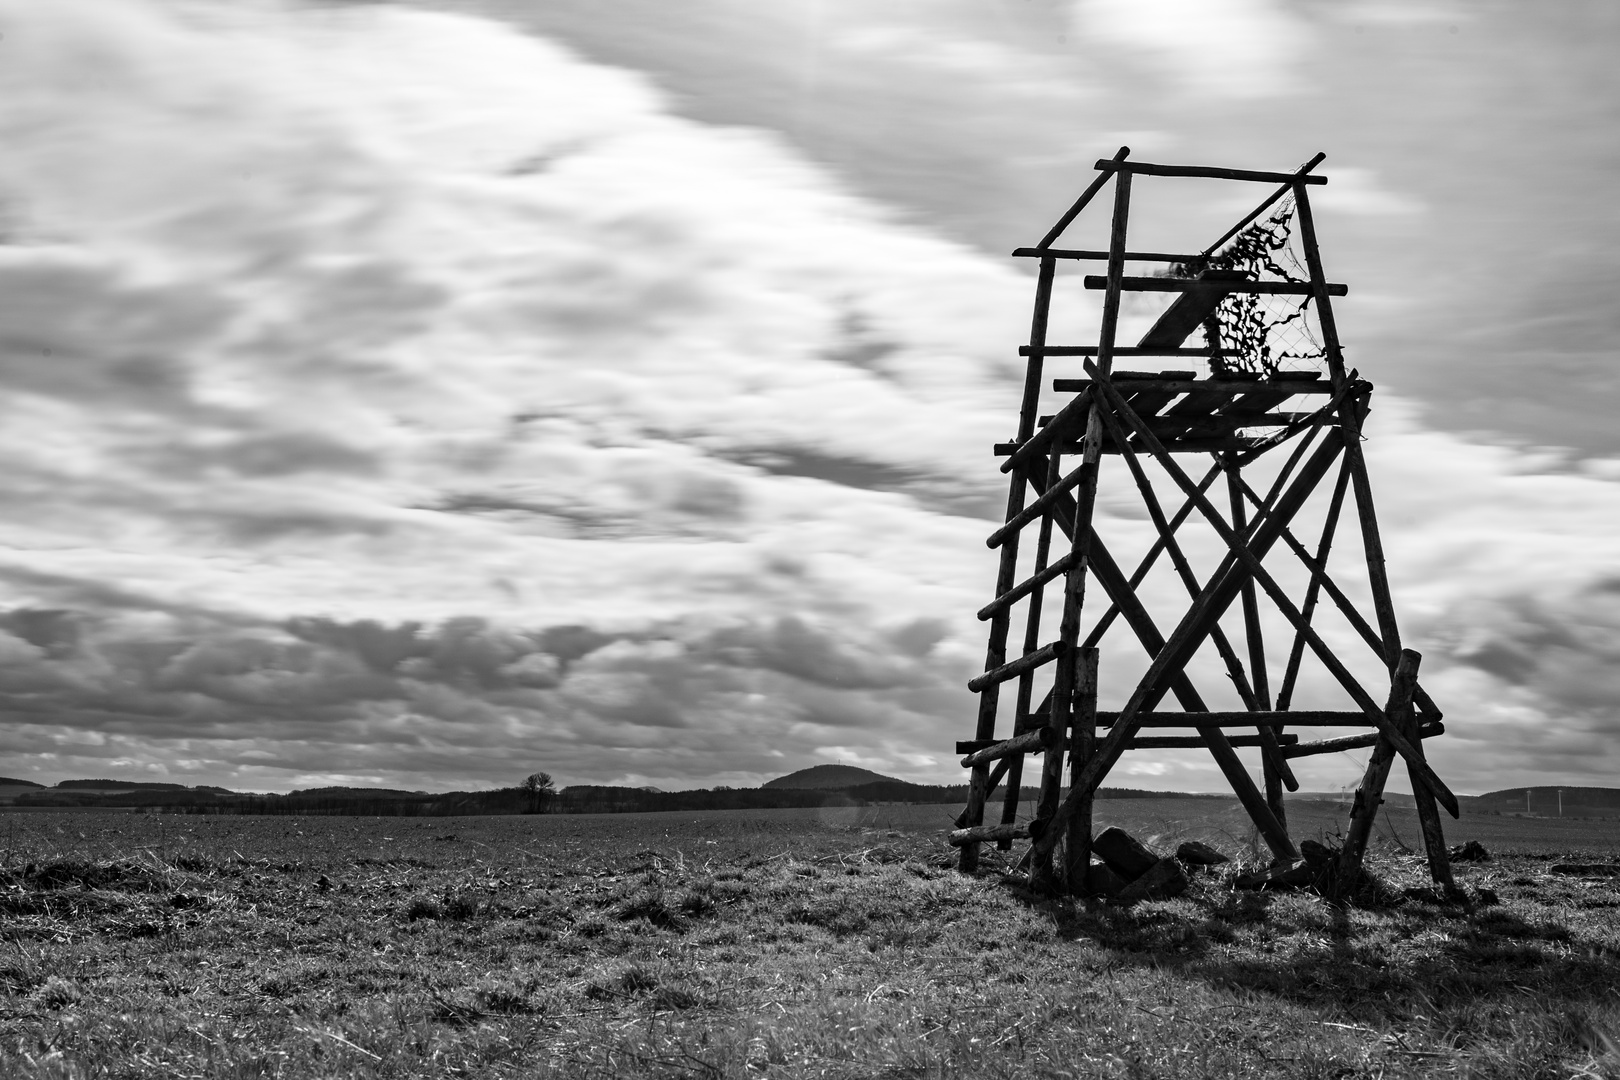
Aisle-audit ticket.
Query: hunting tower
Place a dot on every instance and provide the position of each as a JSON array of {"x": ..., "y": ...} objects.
[{"x": 1266, "y": 400}]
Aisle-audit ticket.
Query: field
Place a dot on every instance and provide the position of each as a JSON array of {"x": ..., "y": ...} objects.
[{"x": 778, "y": 943}]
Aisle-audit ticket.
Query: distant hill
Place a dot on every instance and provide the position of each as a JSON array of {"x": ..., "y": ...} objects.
[
  {"x": 8, "y": 781},
  {"x": 1543, "y": 801},
  {"x": 830, "y": 776}
]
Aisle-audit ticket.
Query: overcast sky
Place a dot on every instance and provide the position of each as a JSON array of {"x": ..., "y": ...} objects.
[{"x": 423, "y": 395}]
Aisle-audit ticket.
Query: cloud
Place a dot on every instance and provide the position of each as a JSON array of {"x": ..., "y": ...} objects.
[
  {"x": 1240, "y": 49},
  {"x": 400, "y": 397}
]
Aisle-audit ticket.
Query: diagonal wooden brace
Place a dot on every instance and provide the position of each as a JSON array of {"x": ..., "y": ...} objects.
[{"x": 1251, "y": 564}]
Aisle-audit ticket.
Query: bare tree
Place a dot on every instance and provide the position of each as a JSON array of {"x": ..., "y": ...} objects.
[{"x": 540, "y": 789}]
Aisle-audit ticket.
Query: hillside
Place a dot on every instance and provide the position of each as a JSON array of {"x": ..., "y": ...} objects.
[
  {"x": 1543, "y": 801},
  {"x": 830, "y": 776}
]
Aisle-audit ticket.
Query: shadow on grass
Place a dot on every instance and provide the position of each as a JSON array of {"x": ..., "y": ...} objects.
[{"x": 1387, "y": 961}]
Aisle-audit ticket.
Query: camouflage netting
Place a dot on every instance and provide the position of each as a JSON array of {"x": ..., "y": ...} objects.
[{"x": 1263, "y": 334}]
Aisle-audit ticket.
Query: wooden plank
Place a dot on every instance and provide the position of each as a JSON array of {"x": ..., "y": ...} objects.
[
  {"x": 1030, "y": 742},
  {"x": 1182, "y": 285},
  {"x": 1146, "y": 168},
  {"x": 1014, "y": 668},
  {"x": 1188, "y": 312},
  {"x": 1278, "y": 389},
  {"x": 1080, "y": 204}
]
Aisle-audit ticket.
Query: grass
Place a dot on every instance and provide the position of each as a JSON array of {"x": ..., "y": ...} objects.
[{"x": 779, "y": 943}]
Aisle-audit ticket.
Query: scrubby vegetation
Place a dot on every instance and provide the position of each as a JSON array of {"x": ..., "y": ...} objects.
[{"x": 787, "y": 943}]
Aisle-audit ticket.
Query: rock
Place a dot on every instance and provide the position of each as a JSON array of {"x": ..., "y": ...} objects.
[
  {"x": 1102, "y": 881},
  {"x": 1473, "y": 851},
  {"x": 1194, "y": 853},
  {"x": 1123, "y": 853},
  {"x": 1317, "y": 854},
  {"x": 1292, "y": 874},
  {"x": 1166, "y": 878}
]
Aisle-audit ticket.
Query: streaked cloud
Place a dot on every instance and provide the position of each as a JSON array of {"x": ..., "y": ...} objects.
[{"x": 395, "y": 397}]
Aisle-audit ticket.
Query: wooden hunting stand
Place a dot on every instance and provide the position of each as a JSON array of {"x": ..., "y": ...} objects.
[{"x": 1232, "y": 413}]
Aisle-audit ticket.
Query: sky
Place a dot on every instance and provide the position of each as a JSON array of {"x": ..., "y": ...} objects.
[{"x": 423, "y": 395}]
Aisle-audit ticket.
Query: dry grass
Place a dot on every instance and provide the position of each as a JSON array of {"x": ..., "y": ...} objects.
[{"x": 774, "y": 944}]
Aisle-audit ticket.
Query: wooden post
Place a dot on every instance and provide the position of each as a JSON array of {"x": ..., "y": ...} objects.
[
  {"x": 1082, "y": 740},
  {"x": 1081, "y": 532},
  {"x": 1270, "y": 764},
  {"x": 1007, "y": 574},
  {"x": 1378, "y": 577},
  {"x": 1313, "y": 590},
  {"x": 1032, "y": 631},
  {"x": 1370, "y": 795}
]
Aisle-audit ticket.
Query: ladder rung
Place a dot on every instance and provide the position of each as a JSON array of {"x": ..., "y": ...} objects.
[
  {"x": 1044, "y": 655},
  {"x": 1031, "y": 742},
  {"x": 1038, "y": 508},
  {"x": 1025, "y": 587}
]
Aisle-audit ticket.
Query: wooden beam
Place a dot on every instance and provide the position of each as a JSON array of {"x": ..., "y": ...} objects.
[
  {"x": 1007, "y": 571},
  {"x": 1206, "y": 172},
  {"x": 1287, "y": 187},
  {"x": 1031, "y": 584},
  {"x": 1032, "y": 445},
  {"x": 1251, "y": 566},
  {"x": 1014, "y": 668},
  {"x": 1182, "y": 285},
  {"x": 980, "y": 833},
  {"x": 1080, "y": 204},
  {"x": 1127, "y": 350},
  {"x": 1193, "y": 628},
  {"x": 1313, "y": 589},
  {"x": 1234, "y": 666},
  {"x": 1269, "y": 718},
  {"x": 1274, "y": 767},
  {"x": 1223, "y": 386},
  {"x": 1193, "y": 742},
  {"x": 1082, "y": 740},
  {"x": 1030, "y": 742},
  {"x": 1349, "y": 742},
  {"x": 1370, "y": 794},
  {"x": 1098, "y": 256}
]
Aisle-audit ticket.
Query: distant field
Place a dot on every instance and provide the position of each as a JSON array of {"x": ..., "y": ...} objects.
[{"x": 786, "y": 943}]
